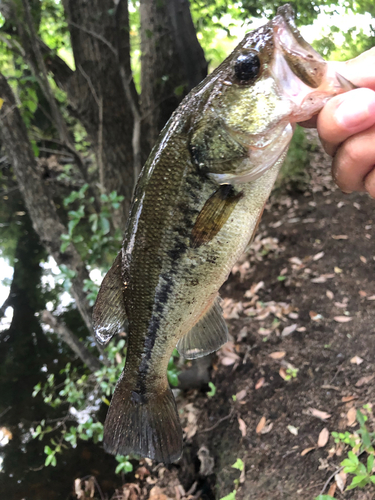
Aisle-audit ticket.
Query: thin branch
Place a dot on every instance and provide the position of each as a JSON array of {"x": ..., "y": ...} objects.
[
  {"x": 71, "y": 340},
  {"x": 217, "y": 423},
  {"x": 95, "y": 35}
]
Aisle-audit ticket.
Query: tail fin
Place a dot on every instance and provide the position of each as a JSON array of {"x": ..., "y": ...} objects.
[{"x": 144, "y": 425}]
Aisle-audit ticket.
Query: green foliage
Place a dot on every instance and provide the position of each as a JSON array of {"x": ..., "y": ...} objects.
[
  {"x": 89, "y": 231},
  {"x": 74, "y": 390},
  {"x": 294, "y": 169},
  {"x": 123, "y": 464},
  {"x": 361, "y": 443},
  {"x": 211, "y": 393},
  {"x": 291, "y": 373}
]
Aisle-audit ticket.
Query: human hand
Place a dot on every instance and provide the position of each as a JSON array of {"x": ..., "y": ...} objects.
[{"x": 346, "y": 126}]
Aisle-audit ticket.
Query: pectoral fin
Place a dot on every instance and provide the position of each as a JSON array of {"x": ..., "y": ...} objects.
[
  {"x": 207, "y": 336},
  {"x": 214, "y": 214},
  {"x": 109, "y": 313}
]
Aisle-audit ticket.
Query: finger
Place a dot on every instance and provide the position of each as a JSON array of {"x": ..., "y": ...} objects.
[
  {"x": 344, "y": 116},
  {"x": 370, "y": 183},
  {"x": 361, "y": 70},
  {"x": 354, "y": 162}
]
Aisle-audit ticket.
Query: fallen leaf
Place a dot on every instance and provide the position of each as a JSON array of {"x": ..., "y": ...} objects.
[
  {"x": 329, "y": 294},
  {"x": 242, "y": 426},
  {"x": 157, "y": 494},
  {"x": 363, "y": 259},
  {"x": 282, "y": 373},
  {"x": 357, "y": 205},
  {"x": 260, "y": 383},
  {"x": 340, "y": 236},
  {"x": 323, "y": 415},
  {"x": 293, "y": 430},
  {"x": 337, "y": 270},
  {"x": 261, "y": 425},
  {"x": 315, "y": 316},
  {"x": 318, "y": 256},
  {"x": 356, "y": 360},
  {"x": 346, "y": 399},
  {"x": 266, "y": 429},
  {"x": 364, "y": 380},
  {"x": 362, "y": 293},
  {"x": 340, "y": 479},
  {"x": 323, "y": 437},
  {"x": 277, "y": 354},
  {"x": 307, "y": 450},
  {"x": 332, "y": 490},
  {"x": 342, "y": 319},
  {"x": 241, "y": 394},
  {"x": 351, "y": 417},
  {"x": 371, "y": 298},
  {"x": 288, "y": 330}
]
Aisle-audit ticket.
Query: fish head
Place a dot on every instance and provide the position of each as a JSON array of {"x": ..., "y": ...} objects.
[{"x": 272, "y": 80}]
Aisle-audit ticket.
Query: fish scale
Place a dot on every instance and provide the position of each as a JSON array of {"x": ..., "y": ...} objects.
[{"x": 197, "y": 205}]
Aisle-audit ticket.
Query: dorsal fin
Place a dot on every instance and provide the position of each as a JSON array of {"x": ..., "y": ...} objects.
[
  {"x": 109, "y": 314},
  {"x": 207, "y": 336}
]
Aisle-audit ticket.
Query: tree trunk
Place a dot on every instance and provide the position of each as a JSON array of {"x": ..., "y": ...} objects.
[
  {"x": 95, "y": 91},
  {"x": 172, "y": 61},
  {"x": 40, "y": 207}
]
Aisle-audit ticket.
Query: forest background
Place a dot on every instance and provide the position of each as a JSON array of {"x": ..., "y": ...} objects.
[{"x": 86, "y": 88}]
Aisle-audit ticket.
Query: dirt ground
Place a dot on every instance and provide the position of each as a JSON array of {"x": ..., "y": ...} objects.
[{"x": 300, "y": 305}]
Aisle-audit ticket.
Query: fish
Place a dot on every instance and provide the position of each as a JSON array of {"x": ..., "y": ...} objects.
[{"x": 196, "y": 206}]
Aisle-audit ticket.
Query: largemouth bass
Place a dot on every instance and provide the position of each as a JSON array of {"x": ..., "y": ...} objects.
[{"x": 196, "y": 206}]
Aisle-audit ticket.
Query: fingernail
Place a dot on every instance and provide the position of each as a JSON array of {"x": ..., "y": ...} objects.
[{"x": 357, "y": 109}]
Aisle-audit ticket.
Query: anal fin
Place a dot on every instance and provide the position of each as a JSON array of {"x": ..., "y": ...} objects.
[
  {"x": 207, "y": 336},
  {"x": 109, "y": 314}
]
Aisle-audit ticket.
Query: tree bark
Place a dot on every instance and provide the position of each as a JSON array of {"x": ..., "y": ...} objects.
[
  {"x": 172, "y": 61},
  {"x": 41, "y": 209},
  {"x": 95, "y": 91}
]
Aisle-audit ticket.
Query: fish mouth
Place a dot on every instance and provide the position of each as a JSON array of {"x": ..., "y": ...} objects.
[{"x": 302, "y": 75}]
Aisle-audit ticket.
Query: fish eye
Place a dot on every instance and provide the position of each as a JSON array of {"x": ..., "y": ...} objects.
[{"x": 246, "y": 67}]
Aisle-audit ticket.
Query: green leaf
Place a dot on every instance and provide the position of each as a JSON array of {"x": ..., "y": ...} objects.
[
  {"x": 173, "y": 378},
  {"x": 49, "y": 459},
  {"x": 324, "y": 497},
  {"x": 370, "y": 463},
  {"x": 231, "y": 496},
  {"x": 47, "y": 450},
  {"x": 357, "y": 480},
  {"x": 238, "y": 465},
  {"x": 211, "y": 393}
]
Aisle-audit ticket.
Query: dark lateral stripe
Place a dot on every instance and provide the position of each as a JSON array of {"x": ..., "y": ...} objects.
[{"x": 214, "y": 214}]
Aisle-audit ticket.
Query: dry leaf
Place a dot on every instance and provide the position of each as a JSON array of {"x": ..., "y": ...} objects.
[
  {"x": 363, "y": 259},
  {"x": 364, "y": 380},
  {"x": 261, "y": 425},
  {"x": 323, "y": 415},
  {"x": 157, "y": 494},
  {"x": 293, "y": 430},
  {"x": 242, "y": 426},
  {"x": 315, "y": 316},
  {"x": 337, "y": 270},
  {"x": 332, "y": 490},
  {"x": 241, "y": 394},
  {"x": 282, "y": 373},
  {"x": 267, "y": 428},
  {"x": 356, "y": 360},
  {"x": 329, "y": 294},
  {"x": 323, "y": 437},
  {"x": 362, "y": 293},
  {"x": 318, "y": 256},
  {"x": 307, "y": 450},
  {"x": 288, "y": 330},
  {"x": 343, "y": 319},
  {"x": 351, "y": 417},
  {"x": 371, "y": 298},
  {"x": 346, "y": 399},
  {"x": 340, "y": 479},
  {"x": 340, "y": 236},
  {"x": 277, "y": 354},
  {"x": 260, "y": 383}
]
